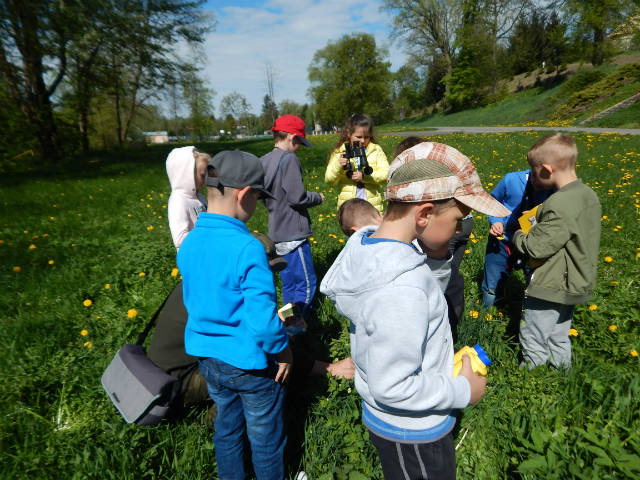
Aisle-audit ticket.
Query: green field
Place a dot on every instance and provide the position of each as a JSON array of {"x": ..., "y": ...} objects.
[{"x": 83, "y": 246}]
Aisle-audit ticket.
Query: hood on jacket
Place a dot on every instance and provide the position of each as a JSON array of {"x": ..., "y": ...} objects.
[
  {"x": 180, "y": 170},
  {"x": 353, "y": 273}
]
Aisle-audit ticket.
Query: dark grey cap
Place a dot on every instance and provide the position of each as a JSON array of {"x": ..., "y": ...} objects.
[{"x": 236, "y": 169}]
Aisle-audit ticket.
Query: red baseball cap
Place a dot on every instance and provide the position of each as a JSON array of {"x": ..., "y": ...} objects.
[{"x": 291, "y": 124}]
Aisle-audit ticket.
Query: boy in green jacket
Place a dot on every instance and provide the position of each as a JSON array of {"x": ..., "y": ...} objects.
[{"x": 566, "y": 238}]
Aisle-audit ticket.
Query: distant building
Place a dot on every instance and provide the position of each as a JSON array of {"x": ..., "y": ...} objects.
[{"x": 156, "y": 137}]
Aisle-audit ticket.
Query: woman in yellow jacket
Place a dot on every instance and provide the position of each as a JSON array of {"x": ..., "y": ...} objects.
[{"x": 355, "y": 183}]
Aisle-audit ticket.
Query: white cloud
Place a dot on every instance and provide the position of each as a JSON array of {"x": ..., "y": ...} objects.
[{"x": 286, "y": 34}]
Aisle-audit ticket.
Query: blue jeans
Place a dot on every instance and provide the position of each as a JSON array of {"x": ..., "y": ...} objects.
[
  {"x": 299, "y": 279},
  {"x": 495, "y": 271},
  {"x": 254, "y": 399}
]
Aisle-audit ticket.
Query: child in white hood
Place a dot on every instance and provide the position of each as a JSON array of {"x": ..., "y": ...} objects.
[
  {"x": 400, "y": 335},
  {"x": 186, "y": 168}
]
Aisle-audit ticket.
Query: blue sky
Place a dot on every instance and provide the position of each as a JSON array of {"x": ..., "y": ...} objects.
[{"x": 286, "y": 34}]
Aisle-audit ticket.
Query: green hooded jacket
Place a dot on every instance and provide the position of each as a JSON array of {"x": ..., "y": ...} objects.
[{"x": 566, "y": 238}]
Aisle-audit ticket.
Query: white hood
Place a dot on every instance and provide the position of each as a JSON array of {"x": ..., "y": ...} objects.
[{"x": 185, "y": 204}]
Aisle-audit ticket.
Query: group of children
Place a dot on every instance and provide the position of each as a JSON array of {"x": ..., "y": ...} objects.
[{"x": 389, "y": 281}]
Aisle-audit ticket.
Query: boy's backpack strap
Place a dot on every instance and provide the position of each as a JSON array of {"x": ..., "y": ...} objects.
[{"x": 143, "y": 335}]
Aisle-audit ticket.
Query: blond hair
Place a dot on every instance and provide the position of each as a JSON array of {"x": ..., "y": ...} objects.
[
  {"x": 558, "y": 149},
  {"x": 356, "y": 212}
]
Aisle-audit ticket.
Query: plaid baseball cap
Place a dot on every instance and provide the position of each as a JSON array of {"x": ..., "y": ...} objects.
[
  {"x": 291, "y": 124},
  {"x": 434, "y": 171},
  {"x": 236, "y": 169}
]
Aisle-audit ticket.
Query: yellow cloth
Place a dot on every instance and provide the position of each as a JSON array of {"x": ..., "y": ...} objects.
[{"x": 336, "y": 175}]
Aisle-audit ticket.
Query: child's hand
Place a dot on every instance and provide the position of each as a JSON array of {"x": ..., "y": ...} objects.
[
  {"x": 342, "y": 369},
  {"x": 357, "y": 176},
  {"x": 477, "y": 382},
  {"x": 285, "y": 361},
  {"x": 497, "y": 229},
  {"x": 343, "y": 160},
  {"x": 322, "y": 196}
]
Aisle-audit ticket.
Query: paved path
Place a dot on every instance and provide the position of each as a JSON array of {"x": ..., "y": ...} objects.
[{"x": 446, "y": 130}]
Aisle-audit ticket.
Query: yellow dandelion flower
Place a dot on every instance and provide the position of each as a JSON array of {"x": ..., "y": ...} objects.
[
  {"x": 84, "y": 333},
  {"x": 471, "y": 235},
  {"x": 633, "y": 353},
  {"x": 613, "y": 328},
  {"x": 593, "y": 306},
  {"x": 573, "y": 332},
  {"x": 107, "y": 286},
  {"x": 132, "y": 312},
  {"x": 51, "y": 262},
  {"x": 608, "y": 259},
  {"x": 488, "y": 316},
  {"x": 473, "y": 314},
  {"x": 88, "y": 344},
  {"x": 87, "y": 303},
  {"x": 174, "y": 272},
  {"x": 16, "y": 268},
  {"x": 341, "y": 240},
  {"x": 141, "y": 274},
  {"x": 467, "y": 251},
  {"x": 150, "y": 227},
  {"x": 614, "y": 283},
  {"x": 32, "y": 247}
]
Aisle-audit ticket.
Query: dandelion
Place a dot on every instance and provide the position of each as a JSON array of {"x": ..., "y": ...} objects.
[
  {"x": 608, "y": 259},
  {"x": 573, "y": 332},
  {"x": 593, "y": 306},
  {"x": 615, "y": 283},
  {"x": 473, "y": 314},
  {"x": 84, "y": 333},
  {"x": 50, "y": 262},
  {"x": 141, "y": 274},
  {"x": 613, "y": 328},
  {"x": 32, "y": 247},
  {"x": 174, "y": 272},
  {"x": 88, "y": 344},
  {"x": 16, "y": 268},
  {"x": 132, "y": 312},
  {"x": 150, "y": 227},
  {"x": 467, "y": 252},
  {"x": 633, "y": 353},
  {"x": 107, "y": 286},
  {"x": 488, "y": 316},
  {"x": 87, "y": 302}
]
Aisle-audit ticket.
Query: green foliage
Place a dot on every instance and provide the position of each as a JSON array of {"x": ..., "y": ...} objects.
[
  {"x": 350, "y": 76},
  {"x": 602, "y": 89},
  {"x": 92, "y": 218}
]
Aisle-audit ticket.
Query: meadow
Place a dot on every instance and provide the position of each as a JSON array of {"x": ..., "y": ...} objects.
[{"x": 86, "y": 258}]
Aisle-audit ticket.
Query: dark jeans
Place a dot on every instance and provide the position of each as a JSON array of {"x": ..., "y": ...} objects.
[
  {"x": 248, "y": 399},
  {"x": 416, "y": 461}
]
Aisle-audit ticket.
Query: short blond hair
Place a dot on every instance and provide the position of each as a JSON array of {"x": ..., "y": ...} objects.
[
  {"x": 356, "y": 212},
  {"x": 558, "y": 149}
]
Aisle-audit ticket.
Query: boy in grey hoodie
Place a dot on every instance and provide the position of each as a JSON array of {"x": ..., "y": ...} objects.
[{"x": 400, "y": 335}]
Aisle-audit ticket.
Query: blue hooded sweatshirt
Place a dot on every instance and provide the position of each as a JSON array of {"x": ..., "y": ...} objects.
[{"x": 229, "y": 294}]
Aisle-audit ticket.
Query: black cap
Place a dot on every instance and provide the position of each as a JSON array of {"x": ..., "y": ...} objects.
[{"x": 236, "y": 169}]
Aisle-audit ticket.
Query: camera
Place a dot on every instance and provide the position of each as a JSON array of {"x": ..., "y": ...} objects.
[{"x": 359, "y": 155}]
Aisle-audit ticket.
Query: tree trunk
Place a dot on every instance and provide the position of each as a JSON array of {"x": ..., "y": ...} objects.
[{"x": 597, "y": 56}]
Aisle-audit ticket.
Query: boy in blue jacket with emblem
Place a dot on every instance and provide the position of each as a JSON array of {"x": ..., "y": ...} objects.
[{"x": 233, "y": 325}]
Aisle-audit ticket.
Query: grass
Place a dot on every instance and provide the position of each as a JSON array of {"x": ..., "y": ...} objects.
[{"x": 67, "y": 233}]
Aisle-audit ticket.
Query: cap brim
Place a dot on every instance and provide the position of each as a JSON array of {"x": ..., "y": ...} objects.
[
  {"x": 484, "y": 203},
  {"x": 304, "y": 141}
]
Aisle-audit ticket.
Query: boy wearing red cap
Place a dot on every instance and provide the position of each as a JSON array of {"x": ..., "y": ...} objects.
[{"x": 289, "y": 222}]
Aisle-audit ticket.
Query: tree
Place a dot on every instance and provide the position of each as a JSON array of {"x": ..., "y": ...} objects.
[
  {"x": 30, "y": 32},
  {"x": 199, "y": 100},
  {"x": 235, "y": 105},
  {"x": 269, "y": 111},
  {"x": 349, "y": 76},
  {"x": 407, "y": 90},
  {"x": 594, "y": 19}
]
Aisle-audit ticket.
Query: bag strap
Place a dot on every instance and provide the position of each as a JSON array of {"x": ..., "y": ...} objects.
[{"x": 143, "y": 335}]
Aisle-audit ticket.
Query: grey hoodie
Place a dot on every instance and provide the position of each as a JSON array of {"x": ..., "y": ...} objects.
[{"x": 400, "y": 336}]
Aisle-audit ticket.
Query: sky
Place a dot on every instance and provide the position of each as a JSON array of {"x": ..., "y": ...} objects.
[{"x": 285, "y": 34}]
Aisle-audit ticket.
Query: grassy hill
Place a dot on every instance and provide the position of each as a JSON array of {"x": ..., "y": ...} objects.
[{"x": 572, "y": 98}]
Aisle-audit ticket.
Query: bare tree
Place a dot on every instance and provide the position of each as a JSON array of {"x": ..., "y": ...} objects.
[{"x": 270, "y": 84}]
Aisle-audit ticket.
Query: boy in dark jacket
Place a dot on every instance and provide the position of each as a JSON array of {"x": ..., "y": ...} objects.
[
  {"x": 566, "y": 237},
  {"x": 289, "y": 222}
]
